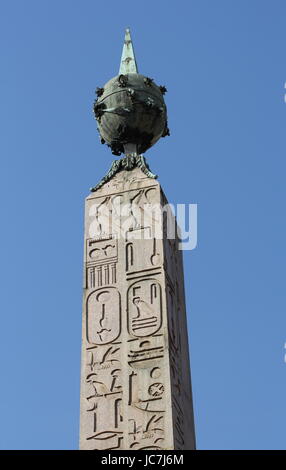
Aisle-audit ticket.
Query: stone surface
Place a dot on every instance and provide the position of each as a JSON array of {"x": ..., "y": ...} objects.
[{"x": 135, "y": 378}]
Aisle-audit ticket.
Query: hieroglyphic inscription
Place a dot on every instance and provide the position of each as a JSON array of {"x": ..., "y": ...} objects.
[
  {"x": 104, "y": 397},
  {"x": 144, "y": 307},
  {"x": 103, "y": 316},
  {"x": 146, "y": 397},
  {"x": 141, "y": 259},
  {"x": 102, "y": 416},
  {"x": 119, "y": 213},
  {"x": 175, "y": 365},
  {"x": 101, "y": 262},
  {"x": 181, "y": 394},
  {"x": 132, "y": 386}
]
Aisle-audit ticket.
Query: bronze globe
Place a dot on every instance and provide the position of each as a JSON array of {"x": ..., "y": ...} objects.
[{"x": 130, "y": 109}]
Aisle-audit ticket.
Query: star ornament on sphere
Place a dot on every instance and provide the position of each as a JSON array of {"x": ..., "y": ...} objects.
[{"x": 131, "y": 115}]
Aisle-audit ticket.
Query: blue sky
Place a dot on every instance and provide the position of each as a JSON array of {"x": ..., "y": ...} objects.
[{"x": 223, "y": 63}]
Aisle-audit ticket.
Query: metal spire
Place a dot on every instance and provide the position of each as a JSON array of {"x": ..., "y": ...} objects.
[{"x": 128, "y": 61}]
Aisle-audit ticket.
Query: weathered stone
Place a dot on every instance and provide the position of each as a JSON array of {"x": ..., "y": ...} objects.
[{"x": 135, "y": 379}]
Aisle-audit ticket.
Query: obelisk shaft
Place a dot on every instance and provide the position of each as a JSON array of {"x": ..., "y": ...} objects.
[{"x": 135, "y": 378}]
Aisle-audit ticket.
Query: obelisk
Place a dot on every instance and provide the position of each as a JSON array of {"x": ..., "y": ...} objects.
[{"x": 135, "y": 374}]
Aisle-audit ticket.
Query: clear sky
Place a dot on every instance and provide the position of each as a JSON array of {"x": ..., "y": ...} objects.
[{"x": 223, "y": 63}]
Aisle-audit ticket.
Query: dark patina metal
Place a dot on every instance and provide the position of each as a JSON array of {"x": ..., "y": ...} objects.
[
  {"x": 126, "y": 163},
  {"x": 131, "y": 115},
  {"x": 131, "y": 109}
]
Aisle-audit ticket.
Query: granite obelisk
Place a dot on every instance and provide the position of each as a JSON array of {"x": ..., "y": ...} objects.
[{"x": 135, "y": 376}]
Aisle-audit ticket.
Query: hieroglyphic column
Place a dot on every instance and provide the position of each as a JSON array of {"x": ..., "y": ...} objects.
[{"x": 135, "y": 377}]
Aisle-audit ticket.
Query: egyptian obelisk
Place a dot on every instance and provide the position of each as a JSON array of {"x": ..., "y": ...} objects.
[{"x": 135, "y": 374}]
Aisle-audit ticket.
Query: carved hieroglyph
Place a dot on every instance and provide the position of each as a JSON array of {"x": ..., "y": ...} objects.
[{"x": 135, "y": 376}]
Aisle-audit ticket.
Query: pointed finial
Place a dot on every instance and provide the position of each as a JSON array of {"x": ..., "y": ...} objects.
[{"x": 128, "y": 61}]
